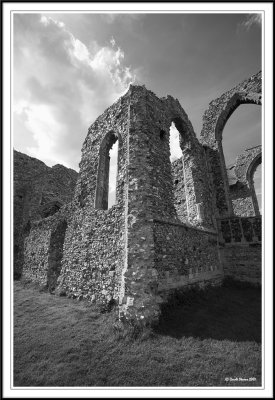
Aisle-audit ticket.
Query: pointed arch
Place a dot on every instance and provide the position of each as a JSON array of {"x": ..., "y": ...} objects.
[{"x": 103, "y": 171}]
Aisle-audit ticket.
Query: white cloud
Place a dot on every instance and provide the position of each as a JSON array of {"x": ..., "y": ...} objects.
[
  {"x": 45, "y": 129},
  {"x": 250, "y": 20},
  {"x": 61, "y": 86}
]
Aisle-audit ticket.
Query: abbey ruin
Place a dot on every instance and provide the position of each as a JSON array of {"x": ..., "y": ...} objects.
[{"x": 174, "y": 225}]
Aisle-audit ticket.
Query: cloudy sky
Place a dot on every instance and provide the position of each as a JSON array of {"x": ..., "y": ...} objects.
[{"x": 67, "y": 68}]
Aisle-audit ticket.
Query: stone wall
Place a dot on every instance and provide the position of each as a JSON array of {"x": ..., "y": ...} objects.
[
  {"x": 165, "y": 231},
  {"x": 240, "y": 246},
  {"x": 39, "y": 191},
  {"x": 93, "y": 255},
  {"x": 243, "y": 262},
  {"x": 240, "y": 229},
  {"x": 109, "y": 253},
  {"x": 242, "y": 192},
  {"x": 184, "y": 256},
  {"x": 151, "y": 193},
  {"x": 95, "y": 242},
  {"x": 43, "y": 250},
  {"x": 179, "y": 190},
  {"x": 214, "y": 120}
]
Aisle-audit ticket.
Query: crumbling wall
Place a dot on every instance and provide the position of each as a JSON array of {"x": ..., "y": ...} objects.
[
  {"x": 93, "y": 255},
  {"x": 56, "y": 254},
  {"x": 184, "y": 256},
  {"x": 179, "y": 190},
  {"x": 243, "y": 262},
  {"x": 109, "y": 254},
  {"x": 161, "y": 234},
  {"x": 95, "y": 243},
  {"x": 39, "y": 191},
  {"x": 240, "y": 241},
  {"x": 43, "y": 250},
  {"x": 214, "y": 120},
  {"x": 151, "y": 196},
  {"x": 240, "y": 229},
  {"x": 242, "y": 193}
]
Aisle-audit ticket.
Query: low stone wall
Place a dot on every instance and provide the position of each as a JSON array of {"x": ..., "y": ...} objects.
[
  {"x": 240, "y": 230},
  {"x": 242, "y": 262},
  {"x": 240, "y": 248},
  {"x": 43, "y": 250},
  {"x": 185, "y": 256},
  {"x": 39, "y": 191}
]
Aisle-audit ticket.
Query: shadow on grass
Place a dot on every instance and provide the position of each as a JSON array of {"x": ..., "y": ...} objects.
[{"x": 230, "y": 312}]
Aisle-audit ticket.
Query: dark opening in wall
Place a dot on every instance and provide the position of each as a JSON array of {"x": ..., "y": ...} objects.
[
  {"x": 56, "y": 254},
  {"x": 257, "y": 183},
  {"x": 27, "y": 228},
  {"x": 107, "y": 172},
  {"x": 162, "y": 134}
]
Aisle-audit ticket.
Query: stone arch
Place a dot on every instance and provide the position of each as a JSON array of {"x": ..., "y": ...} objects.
[
  {"x": 243, "y": 193},
  {"x": 249, "y": 176},
  {"x": 232, "y": 104},
  {"x": 102, "y": 181},
  {"x": 214, "y": 120},
  {"x": 189, "y": 176},
  {"x": 55, "y": 254}
]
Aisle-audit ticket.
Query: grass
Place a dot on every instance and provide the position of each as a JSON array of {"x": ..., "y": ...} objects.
[{"x": 202, "y": 338}]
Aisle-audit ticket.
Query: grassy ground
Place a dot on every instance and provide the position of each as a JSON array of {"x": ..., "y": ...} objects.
[{"x": 199, "y": 341}]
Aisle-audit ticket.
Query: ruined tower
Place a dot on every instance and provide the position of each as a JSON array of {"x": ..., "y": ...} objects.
[
  {"x": 130, "y": 251},
  {"x": 173, "y": 225}
]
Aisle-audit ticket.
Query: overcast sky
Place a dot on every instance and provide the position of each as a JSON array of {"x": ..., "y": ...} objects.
[{"x": 69, "y": 67}]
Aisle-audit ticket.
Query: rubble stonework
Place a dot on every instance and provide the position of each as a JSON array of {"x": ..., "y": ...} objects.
[
  {"x": 214, "y": 120},
  {"x": 242, "y": 192},
  {"x": 44, "y": 249},
  {"x": 165, "y": 231},
  {"x": 39, "y": 191}
]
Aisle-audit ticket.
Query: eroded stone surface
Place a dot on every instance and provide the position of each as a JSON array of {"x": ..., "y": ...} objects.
[
  {"x": 39, "y": 191},
  {"x": 214, "y": 120},
  {"x": 172, "y": 224}
]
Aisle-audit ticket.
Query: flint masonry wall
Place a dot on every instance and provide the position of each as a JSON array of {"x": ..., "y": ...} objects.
[
  {"x": 240, "y": 246},
  {"x": 214, "y": 120},
  {"x": 243, "y": 262},
  {"x": 161, "y": 235},
  {"x": 111, "y": 254},
  {"x": 241, "y": 250},
  {"x": 240, "y": 240},
  {"x": 179, "y": 190},
  {"x": 151, "y": 197},
  {"x": 39, "y": 191},
  {"x": 185, "y": 256},
  {"x": 94, "y": 247},
  {"x": 44, "y": 249},
  {"x": 242, "y": 193}
]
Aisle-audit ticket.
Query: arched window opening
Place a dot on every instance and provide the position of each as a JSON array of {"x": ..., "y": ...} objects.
[
  {"x": 257, "y": 182},
  {"x": 113, "y": 154},
  {"x": 107, "y": 172},
  {"x": 174, "y": 143},
  {"x": 178, "y": 172},
  {"x": 242, "y": 131}
]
